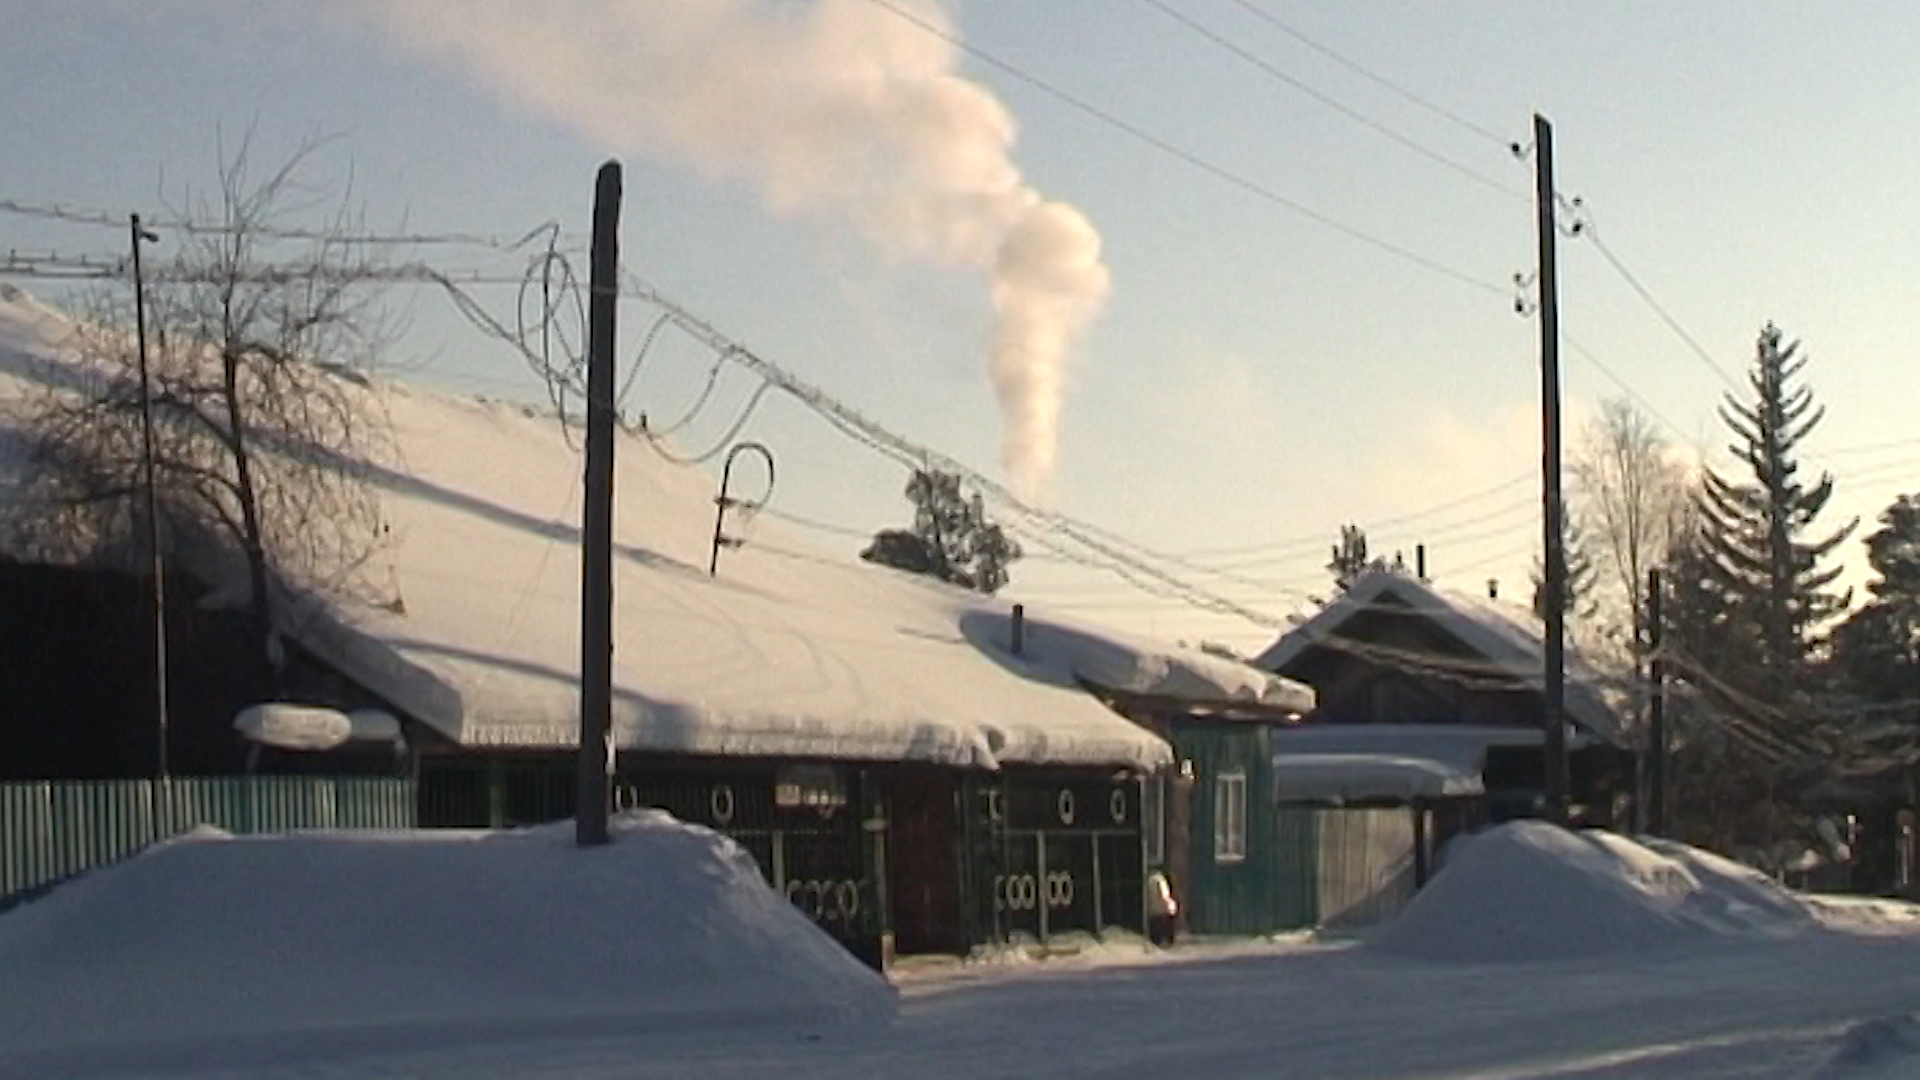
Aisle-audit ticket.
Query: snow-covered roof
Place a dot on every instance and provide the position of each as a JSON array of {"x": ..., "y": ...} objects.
[
  {"x": 1347, "y": 763},
  {"x": 1461, "y": 747},
  {"x": 1364, "y": 778},
  {"x": 1508, "y": 635},
  {"x": 787, "y": 652}
]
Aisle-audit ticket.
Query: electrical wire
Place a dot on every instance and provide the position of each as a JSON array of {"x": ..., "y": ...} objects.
[
  {"x": 1219, "y": 172},
  {"x": 1585, "y": 227},
  {"x": 1275, "y": 72},
  {"x": 1378, "y": 80},
  {"x": 1320, "y": 539},
  {"x": 77, "y": 216}
]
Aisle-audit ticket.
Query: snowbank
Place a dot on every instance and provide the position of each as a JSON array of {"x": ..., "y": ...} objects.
[
  {"x": 362, "y": 937},
  {"x": 1530, "y": 891},
  {"x": 1880, "y": 1049}
]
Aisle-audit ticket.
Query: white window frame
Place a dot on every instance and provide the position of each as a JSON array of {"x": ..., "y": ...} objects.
[{"x": 1230, "y": 817}]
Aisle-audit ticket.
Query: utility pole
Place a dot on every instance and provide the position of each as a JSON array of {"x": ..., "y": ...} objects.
[
  {"x": 596, "y": 539},
  {"x": 158, "y": 569},
  {"x": 1656, "y": 714},
  {"x": 1554, "y": 718}
]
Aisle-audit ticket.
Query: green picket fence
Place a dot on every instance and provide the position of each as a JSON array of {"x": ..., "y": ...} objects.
[{"x": 51, "y": 830}]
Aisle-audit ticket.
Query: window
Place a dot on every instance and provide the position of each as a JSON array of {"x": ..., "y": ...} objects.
[{"x": 1230, "y": 817}]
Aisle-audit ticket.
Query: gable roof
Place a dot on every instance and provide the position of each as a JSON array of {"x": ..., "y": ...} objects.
[
  {"x": 787, "y": 652},
  {"x": 1506, "y": 635}
]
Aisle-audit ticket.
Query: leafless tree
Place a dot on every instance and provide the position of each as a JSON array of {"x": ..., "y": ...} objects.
[
  {"x": 259, "y": 333},
  {"x": 1635, "y": 497}
]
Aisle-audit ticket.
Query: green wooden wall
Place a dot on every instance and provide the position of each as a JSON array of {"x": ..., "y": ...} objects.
[
  {"x": 50, "y": 830},
  {"x": 1268, "y": 889}
]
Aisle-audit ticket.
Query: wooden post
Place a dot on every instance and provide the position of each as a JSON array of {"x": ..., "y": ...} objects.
[
  {"x": 1422, "y": 870},
  {"x": 1656, "y": 713},
  {"x": 596, "y": 540},
  {"x": 158, "y": 565},
  {"x": 1553, "y": 719}
]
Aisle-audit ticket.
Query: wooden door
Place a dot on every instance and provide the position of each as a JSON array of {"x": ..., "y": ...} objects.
[{"x": 923, "y": 849}]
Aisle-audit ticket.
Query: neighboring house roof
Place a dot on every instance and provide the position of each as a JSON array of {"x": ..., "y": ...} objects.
[
  {"x": 1506, "y": 635},
  {"x": 788, "y": 652}
]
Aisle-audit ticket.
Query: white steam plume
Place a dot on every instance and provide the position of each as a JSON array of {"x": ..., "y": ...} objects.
[{"x": 833, "y": 108}]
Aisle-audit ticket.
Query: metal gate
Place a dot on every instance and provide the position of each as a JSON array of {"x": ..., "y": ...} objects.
[{"x": 1055, "y": 854}]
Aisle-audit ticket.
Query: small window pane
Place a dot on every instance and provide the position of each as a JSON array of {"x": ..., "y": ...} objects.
[{"x": 1230, "y": 817}]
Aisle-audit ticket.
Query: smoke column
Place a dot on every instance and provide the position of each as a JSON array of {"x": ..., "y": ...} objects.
[{"x": 834, "y": 109}]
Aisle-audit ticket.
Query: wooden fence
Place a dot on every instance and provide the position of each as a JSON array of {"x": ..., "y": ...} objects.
[{"x": 52, "y": 830}]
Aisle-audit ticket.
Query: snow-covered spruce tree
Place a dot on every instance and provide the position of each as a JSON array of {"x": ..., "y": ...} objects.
[
  {"x": 261, "y": 426},
  {"x": 1748, "y": 597},
  {"x": 1754, "y": 531}
]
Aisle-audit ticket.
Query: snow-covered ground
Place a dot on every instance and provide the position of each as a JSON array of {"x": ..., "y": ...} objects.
[{"x": 1535, "y": 953}]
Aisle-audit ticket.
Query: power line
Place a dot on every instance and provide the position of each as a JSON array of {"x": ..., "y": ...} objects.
[
  {"x": 1300, "y": 543},
  {"x": 1444, "y": 113},
  {"x": 1219, "y": 172},
  {"x": 1627, "y": 388},
  {"x": 80, "y": 216},
  {"x": 1275, "y": 72},
  {"x": 1585, "y": 227}
]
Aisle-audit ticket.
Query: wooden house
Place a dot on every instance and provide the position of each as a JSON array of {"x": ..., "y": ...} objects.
[
  {"x": 1412, "y": 671},
  {"x": 917, "y": 767}
]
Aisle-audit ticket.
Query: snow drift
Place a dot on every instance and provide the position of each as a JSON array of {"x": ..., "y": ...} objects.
[
  {"x": 1532, "y": 891},
  {"x": 360, "y": 937}
]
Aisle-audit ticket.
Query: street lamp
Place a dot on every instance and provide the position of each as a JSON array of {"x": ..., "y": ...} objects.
[
  {"x": 725, "y": 501},
  {"x": 137, "y": 236}
]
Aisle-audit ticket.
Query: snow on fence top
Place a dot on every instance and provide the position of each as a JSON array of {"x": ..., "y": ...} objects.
[
  {"x": 789, "y": 652},
  {"x": 213, "y": 944}
]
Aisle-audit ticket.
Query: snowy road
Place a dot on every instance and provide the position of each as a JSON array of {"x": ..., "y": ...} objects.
[{"x": 1755, "y": 1010}]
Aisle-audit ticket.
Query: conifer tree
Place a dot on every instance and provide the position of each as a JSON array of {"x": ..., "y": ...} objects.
[
  {"x": 1755, "y": 552},
  {"x": 1582, "y": 573},
  {"x": 1349, "y": 557},
  {"x": 1878, "y": 647}
]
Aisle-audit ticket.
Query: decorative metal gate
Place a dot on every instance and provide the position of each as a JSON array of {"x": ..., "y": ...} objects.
[{"x": 1055, "y": 854}]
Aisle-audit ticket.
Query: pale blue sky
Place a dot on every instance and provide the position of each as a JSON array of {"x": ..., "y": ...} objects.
[{"x": 1255, "y": 378}]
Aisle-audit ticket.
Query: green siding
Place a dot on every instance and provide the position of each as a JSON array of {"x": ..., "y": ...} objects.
[
  {"x": 50, "y": 830},
  {"x": 1234, "y": 897}
]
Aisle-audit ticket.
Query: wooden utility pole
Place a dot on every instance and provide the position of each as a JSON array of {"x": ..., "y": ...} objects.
[
  {"x": 1554, "y": 718},
  {"x": 1656, "y": 714},
  {"x": 158, "y": 565},
  {"x": 596, "y": 539}
]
